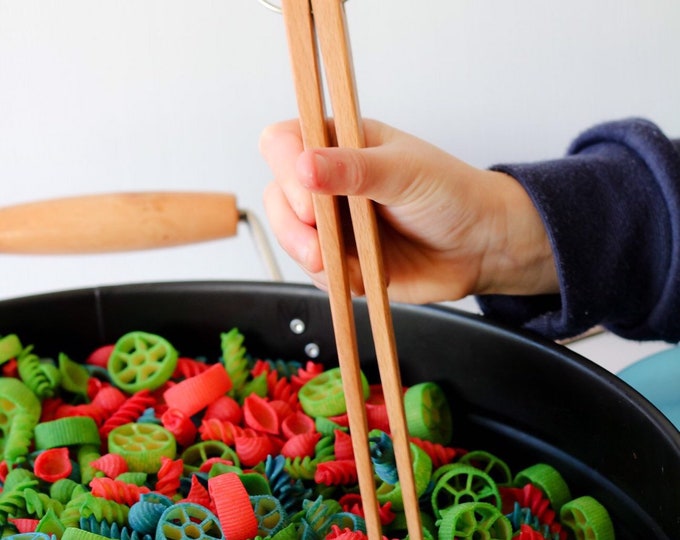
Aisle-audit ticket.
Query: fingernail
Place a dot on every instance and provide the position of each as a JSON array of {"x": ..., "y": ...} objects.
[{"x": 320, "y": 169}]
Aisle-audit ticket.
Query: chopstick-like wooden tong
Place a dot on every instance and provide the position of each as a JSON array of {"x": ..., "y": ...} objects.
[{"x": 321, "y": 25}]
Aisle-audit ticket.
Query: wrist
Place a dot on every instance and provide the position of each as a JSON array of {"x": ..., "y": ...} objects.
[{"x": 519, "y": 259}]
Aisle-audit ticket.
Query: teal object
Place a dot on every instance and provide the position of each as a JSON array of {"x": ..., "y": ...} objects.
[{"x": 657, "y": 377}]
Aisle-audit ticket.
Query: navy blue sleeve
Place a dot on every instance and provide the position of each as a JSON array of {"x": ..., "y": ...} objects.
[{"x": 611, "y": 208}]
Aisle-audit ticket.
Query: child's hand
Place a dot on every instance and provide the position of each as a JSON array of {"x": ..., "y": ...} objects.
[{"x": 447, "y": 229}]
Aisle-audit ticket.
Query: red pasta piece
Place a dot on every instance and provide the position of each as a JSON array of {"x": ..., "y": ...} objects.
[
  {"x": 376, "y": 417},
  {"x": 375, "y": 395},
  {"x": 117, "y": 491},
  {"x": 10, "y": 369},
  {"x": 297, "y": 423},
  {"x": 24, "y": 525},
  {"x": 196, "y": 393},
  {"x": 439, "y": 454},
  {"x": 276, "y": 444},
  {"x": 100, "y": 356},
  {"x": 98, "y": 414},
  {"x": 341, "y": 419},
  {"x": 283, "y": 409},
  {"x": 283, "y": 390},
  {"x": 50, "y": 406},
  {"x": 217, "y": 430},
  {"x": 94, "y": 385},
  {"x": 112, "y": 465},
  {"x": 109, "y": 398},
  {"x": 224, "y": 408},
  {"x": 301, "y": 445},
  {"x": 169, "y": 476},
  {"x": 336, "y": 473},
  {"x": 351, "y": 502},
  {"x": 199, "y": 495},
  {"x": 306, "y": 374},
  {"x": 208, "y": 463},
  {"x": 131, "y": 409},
  {"x": 53, "y": 464},
  {"x": 233, "y": 507},
  {"x": 180, "y": 425},
  {"x": 343, "y": 445},
  {"x": 188, "y": 367},
  {"x": 251, "y": 449},
  {"x": 259, "y": 415},
  {"x": 259, "y": 367},
  {"x": 336, "y": 533}
]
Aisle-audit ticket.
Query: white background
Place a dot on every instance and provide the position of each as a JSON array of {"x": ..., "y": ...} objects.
[{"x": 139, "y": 95}]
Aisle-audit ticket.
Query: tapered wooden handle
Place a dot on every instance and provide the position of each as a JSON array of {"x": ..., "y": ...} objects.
[{"x": 117, "y": 222}]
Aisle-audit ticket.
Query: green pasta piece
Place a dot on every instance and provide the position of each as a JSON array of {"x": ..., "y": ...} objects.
[
  {"x": 138, "y": 478},
  {"x": 32, "y": 373},
  {"x": 302, "y": 468},
  {"x": 104, "y": 510},
  {"x": 38, "y": 504},
  {"x": 234, "y": 357},
  {"x": 50, "y": 524},
  {"x": 19, "y": 480},
  {"x": 257, "y": 385},
  {"x": 324, "y": 449},
  {"x": 65, "y": 490},
  {"x": 10, "y": 347},
  {"x": 68, "y": 431},
  {"x": 19, "y": 438},
  {"x": 74, "y": 376},
  {"x": 87, "y": 453},
  {"x": 12, "y": 504}
]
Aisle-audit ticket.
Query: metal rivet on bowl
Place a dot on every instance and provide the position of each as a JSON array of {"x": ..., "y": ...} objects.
[
  {"x": 312, "y": 350},
  {"x": 297, "y": 326}
]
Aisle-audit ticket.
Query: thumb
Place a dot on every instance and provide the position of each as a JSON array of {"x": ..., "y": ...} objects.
[{"x": 374, "y": 173}]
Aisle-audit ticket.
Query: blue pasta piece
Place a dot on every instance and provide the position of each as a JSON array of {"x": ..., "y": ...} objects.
[
  {"x": 271, "y": 517},
  {"x": 523, "y": 516},
  {"x": 348, "y": 520},
  {"x": 382, "y": 456},
  {"x": 111, "y": 530},
  {"x": 145, "y": 514},
  {"x": 149, "y": 417},
  {"x": 319, "y": 514},
  {"x": 285, "y": 368},
  {"x": 290, "y": 493},
  {"x": 30, "y": 536}
]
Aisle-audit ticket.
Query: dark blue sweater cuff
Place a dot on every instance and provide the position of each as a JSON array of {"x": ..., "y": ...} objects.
[{"x": 612, "y": 212}]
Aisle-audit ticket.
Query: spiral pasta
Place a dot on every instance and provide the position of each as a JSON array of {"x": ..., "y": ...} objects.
[
  {"x": 131, "y": 409},
  {"x": 34, "y": 375},
  {"x": 234, "y": 357},
  {"x": 168, "y": 476},
  {"x": 116, "y": 491}
]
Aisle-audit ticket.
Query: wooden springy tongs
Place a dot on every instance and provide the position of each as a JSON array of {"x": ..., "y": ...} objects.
[{"x": 321, "y": 25}]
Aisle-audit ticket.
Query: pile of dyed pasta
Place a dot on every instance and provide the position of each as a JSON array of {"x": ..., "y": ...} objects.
[{"x": 138, "y": 442}]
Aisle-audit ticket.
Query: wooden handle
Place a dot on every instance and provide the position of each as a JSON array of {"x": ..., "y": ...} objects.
[{"x": 116, "y": 222}]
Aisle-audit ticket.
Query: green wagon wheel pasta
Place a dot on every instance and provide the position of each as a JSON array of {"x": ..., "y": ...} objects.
[
  {"x": 188, "y": 521},
  {"x": 428, "y": 415},
  {"x": 462, "y": 484},
  {"x": 587, "y": 519},
  {"x": 548, "y": 480},
  {"x": 141, "y": 360},
  {"x": 142, "y": 445},
  {"x": 324, "y": 394},
  {"x": 475, "y": 520}
]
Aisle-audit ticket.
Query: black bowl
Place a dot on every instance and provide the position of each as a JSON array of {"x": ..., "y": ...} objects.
[{"x": 512, "y": 394}]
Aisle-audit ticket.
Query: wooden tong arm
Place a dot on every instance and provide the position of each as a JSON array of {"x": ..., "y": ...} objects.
[{"x": 116, "y": 222}]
